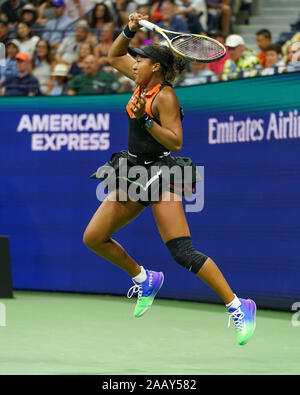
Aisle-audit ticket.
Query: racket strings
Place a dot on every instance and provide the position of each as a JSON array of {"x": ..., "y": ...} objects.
[{"x": 198, "y": 48}]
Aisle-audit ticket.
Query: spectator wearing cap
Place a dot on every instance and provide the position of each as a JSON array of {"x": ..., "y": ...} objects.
[
  {"x": 27, "y": 41},
  {"x": 169, "y": 19},
  {"x": 276, "y": 65},
  {"x": 69, "y": 48},
  {"x": 76, "y": 8},
  {"x": 24, "y": 84},
  {"x": 10, "y": 68},
  {"x": 263, "y": 40},
  {"x": 42, "y": 63},
  {"x": 29, "y": 14},
  {"x": 4, "y": 32},
  {"x": 12, "y": 9},
  {"x": 93, "y": 81},
  {"x": 60, "y": 27},
  {"x": 59, "y": 80},
  {"x": 243, "y": 62},
  {"x": 195, "y": 14}
]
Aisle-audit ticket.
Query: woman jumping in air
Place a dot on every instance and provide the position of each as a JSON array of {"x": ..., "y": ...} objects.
[{"x": 155, "y": 130}]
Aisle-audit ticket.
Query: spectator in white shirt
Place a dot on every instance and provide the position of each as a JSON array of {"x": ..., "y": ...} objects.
[
  {"x": 59, "y": 27},
  {"x": 27, "y": 42},
  {"x": 69, "y": 48},
  {"x": 42, "y": 64}
]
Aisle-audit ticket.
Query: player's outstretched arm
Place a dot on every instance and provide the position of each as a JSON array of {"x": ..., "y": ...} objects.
[{"x": 117, "y": 55}]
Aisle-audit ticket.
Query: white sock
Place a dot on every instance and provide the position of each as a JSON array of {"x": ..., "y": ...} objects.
[
  {"x": 234, "y": 304},
  {"x": 141, "y": 277}
]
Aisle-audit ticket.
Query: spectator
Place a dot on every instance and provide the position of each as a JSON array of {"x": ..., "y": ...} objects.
[
  {"x": 218, "y": 66},
  {"x": 59, "y": 80},
  {"x": 169, "y": 19},
  {"x": 120, "y": 11},
  {"x": 86, "y": 48},
  {"x": 263, "y": 40},
  {"x": 143, "y": 8},
  {"x": 10, "y": 68},
  {"x": 45, "y": 12},
  {"x": 106, "y": 40},
  {"x": 76, "y": 8},
  {"x": 69, "y": 48},
  {"x": 293, "y": 62},
  {"x": 59, "y": 27},
  {"x": 200, "y": 74},
  {"x": 24, "y": 84},
  {"x": 274, "y": 60},
  {"x": 5, "y": 36},
  {"x": 92, "y": 81},
  {"x": 219, "y": 15},
  {"x": 195, "y": 14},
  {"x": 12, "y": 10},
  {"x": 27, "y": 42},
  {"x": 155, "y": 10},
  {"x": 42, "y": 64},
  {"x": 29, "y": 15},
  {"x": 243, "y": 62},
  {"x": 100, "y": 16},
  {"x": 287, "y": 45}
]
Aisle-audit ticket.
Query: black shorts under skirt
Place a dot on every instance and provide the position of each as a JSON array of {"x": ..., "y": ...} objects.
[{"x": 146, "y": 176}]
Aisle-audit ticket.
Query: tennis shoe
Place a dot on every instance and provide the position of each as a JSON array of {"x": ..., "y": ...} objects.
[
  {"x": 146, "y": 291},
  {"x": 244, "y": 320}
]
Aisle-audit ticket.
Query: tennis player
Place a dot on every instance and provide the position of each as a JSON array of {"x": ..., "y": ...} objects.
[{"x": 155, "y": 130}]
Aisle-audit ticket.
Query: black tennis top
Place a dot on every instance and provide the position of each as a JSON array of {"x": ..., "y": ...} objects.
[{"x": 139, "y": 139}]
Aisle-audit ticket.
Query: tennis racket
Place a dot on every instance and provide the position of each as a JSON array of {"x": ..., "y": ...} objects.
[{"x": 194, "y": 47}]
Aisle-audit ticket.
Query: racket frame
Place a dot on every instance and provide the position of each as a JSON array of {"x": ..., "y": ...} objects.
[{"x": 151, "y": 26}]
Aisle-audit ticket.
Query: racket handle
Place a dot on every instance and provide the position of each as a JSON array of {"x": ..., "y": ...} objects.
[{"x": 148, "y": 25}]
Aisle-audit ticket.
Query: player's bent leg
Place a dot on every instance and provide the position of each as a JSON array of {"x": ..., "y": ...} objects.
[
  {"x": 173, "y": 227},
  {"x": 109, "y": 217}
]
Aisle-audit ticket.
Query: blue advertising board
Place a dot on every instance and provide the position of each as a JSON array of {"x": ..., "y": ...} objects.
[{"x": 246, "y": 135}]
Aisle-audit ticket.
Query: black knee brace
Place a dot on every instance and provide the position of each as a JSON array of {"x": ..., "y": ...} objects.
[{"x": 184, "y": 253}]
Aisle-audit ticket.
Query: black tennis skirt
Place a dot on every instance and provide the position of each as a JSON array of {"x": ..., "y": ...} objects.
[{"x": 144, "y": 177}]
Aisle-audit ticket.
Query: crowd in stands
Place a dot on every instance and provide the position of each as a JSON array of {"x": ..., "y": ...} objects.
[{"x": 60, "y": 47}]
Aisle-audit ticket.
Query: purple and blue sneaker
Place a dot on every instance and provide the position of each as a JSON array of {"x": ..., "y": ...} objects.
[
  {"x": 146, "y": 291},
  {"x": 244, "y": 320}
]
